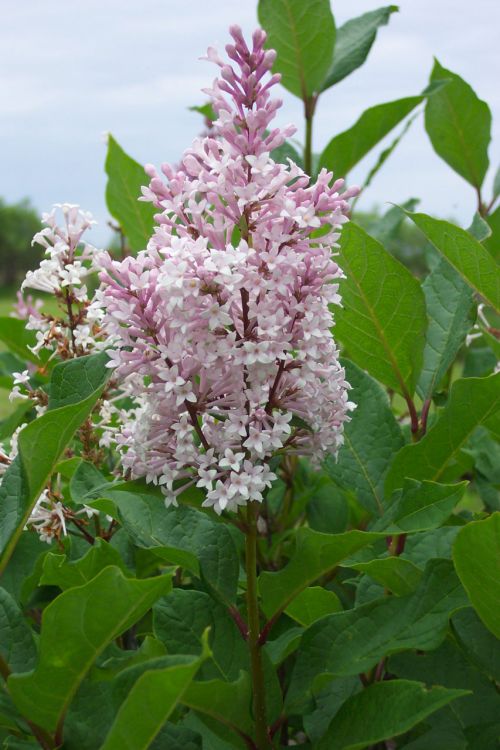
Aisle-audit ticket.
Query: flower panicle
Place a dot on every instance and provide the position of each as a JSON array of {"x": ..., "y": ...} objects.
[{"x": 222, "y": 325}]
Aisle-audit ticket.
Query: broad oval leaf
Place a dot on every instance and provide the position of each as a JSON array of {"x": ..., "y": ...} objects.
[
  {"x": 227, "y": 702},
  {"x": 383, "y": 320},
  {"x": 180, "y": 620},
  {"x": 17, "y": 646},
  {"x": 394, "y": 573},
  {"x": 315, "y": 554},
  {"x": 182, "y": 536},
  {"x": 354, "y": 42},
  {"x": 419, "y": 506},
  {"x": 303, "y": 35},
  {"x": 364, "y": 459},
  {"x": 451, "y": 314},
  {"x": 346, "y": 149},
  {"x": 76, "y": 627},
  {"x": 465, "y": 253},
  {"x": 59, "y": 571},
  {"x": 477, "y": 642},
  {"x": 351, "y": 642},
  {"x": 476, "y": 554},
  {"x": 150, "y": 702},
  {"x": 458, "y": 124},
  {"x": 492, "y": 243},
  {"x": 410, "y": 702},
  {"x": 74, "y": 390},
  {"x": 123, "y": 190},
  {"x": 312, "y": 604},
  {"x": 472, "y": 401},
  {"x": 18, "y": 339}
]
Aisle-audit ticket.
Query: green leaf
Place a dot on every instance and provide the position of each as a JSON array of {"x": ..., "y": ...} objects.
[
  {"x": 492, "y": 243},
  {"x": 23, "y": 570},
  {"x": 86, "y": 482},
  {"x": 394, "y": 573},
  {"x": 480, "y": 229},
  {"x": 451, "y": 313},
  {"x": 9, "y": 364},
  {"x": 90, "y": 714},
  {"x": 386, "y": 152},
  {"x": 382, "y": 322},
  {"x": 351, "y": 642},
  {"x": 228, "y": 702},
  {"x": 204, "y": 109},
  {"x": 425, "y": 546},
  {"x": 420, "y": 506},
  {"x": 17, "y": 647},
  {"x": 123, "y": 190},
  {"x": 315, "y": 554},
  {"x": 211, "y": 740},
  {"x": 476, "y": 554},
  {"x": 477, "y": 643},
  {"x": 496, "y": 184},
  {"x": 76, "y": 627},
  {"x": 303, "y": 35},
  {"x": 388, "y": 227},
  {"x": 16, "y": 418},
  {"x": 364, "y": 458},
  {"x": 76, "y": 379},
  {"x": 312, "y": 604},
  {"x": 177, "y": 737},
  {"x": 74, "y": 390},
  {"x": 472, "y": 401},
  {"x": 16, "y": 743},
  {"x": 346, "y": 149},
  {"x": 286, "y": 151},
  {"x": 58, "y": 571},
  {"x": 458, "y": 124},
  {"x": 467, "y": 256},
  {"x": 327, "y": 701},
  {"x": 183, "y": 536},
  {"x": 151, "y": 701},
  {"x": 14, "y": 334},
  {"x": 409, "y": 702},
  {"x": 328, "y": 509},
  {"x": 354, "y": 42},
  {"x": 284, "y": 645},
  {"x": 181, "y": 618},
  {"x": 448, "y": 666}
]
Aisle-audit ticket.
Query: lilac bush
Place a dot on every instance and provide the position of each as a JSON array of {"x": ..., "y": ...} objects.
[{"x": 339, "y": 418}]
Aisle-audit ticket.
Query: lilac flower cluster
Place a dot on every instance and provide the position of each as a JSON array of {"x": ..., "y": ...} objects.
[
  {"x": 73, "y": 333},
  {"x": 224, "y": 321},
  {"x": 62, "y": 273}
]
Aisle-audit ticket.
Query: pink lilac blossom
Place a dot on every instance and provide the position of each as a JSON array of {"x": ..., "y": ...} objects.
[{"x": 224, "y": 320}]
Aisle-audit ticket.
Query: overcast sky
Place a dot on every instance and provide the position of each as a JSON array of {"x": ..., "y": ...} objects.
[{"x": 74, "y": 69}]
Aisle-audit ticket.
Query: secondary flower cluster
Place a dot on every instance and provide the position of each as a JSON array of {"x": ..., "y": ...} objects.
[
  {"x": 224, "y": 321},
  {"x": 73, "y": 332},
  {"x": 62, "y": 274}
]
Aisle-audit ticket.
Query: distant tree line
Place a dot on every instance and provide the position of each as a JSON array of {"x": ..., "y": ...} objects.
[{"x": 18, "y": 223}]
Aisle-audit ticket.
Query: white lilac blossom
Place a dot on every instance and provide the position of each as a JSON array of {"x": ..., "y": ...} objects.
[
  {"x": 62, "y": 272},
  {"x": 226, "y": 316},
  {"x": 74, "y": 332},
  {"x": 49, "y": 517}
]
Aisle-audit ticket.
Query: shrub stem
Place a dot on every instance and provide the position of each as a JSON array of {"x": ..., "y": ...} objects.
[{"x": 259, "y": 700}]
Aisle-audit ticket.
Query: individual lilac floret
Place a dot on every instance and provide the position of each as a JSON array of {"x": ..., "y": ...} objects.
[{"x": 226, "y": 315}]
